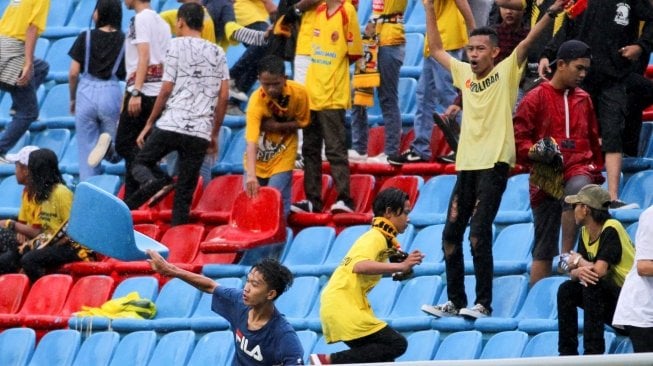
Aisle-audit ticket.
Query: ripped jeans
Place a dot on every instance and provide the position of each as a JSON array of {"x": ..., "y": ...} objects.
[{"x": 475, "y": 200}]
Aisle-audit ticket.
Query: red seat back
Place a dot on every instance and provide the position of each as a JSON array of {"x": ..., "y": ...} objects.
[
  {"x": 183, "y": 242},
  {"x": 362, "y": 191},
  {"x": 407, "y": 183},
  {"x": 13, "y": 288},
  {"x": 167, "y": 202},
  {"x": 220, "y": 193},
  {"x": 376, "y": 141},
  {"x": 298, "y": 193},
  {"x": 48, "y": 295},
  {"x": 263, "y": 213},
  {"x": 88, "y": 291},
  {"x": 151, "y": 230}
]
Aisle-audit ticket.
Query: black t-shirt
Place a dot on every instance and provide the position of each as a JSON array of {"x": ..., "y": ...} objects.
[{"x": 105, "y": 48}]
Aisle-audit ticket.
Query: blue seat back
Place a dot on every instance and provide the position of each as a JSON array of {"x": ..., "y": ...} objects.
[
  {"x": 174, "y": 348},
  {"x": 541, "y": 300},
  {"x": 433, "y": 200},
  {"x": 11, "y": 197},
  {"x": 42, "y": 45},
  {"x": 203, "y": 308},
  {"x": 103, "y": 222},
  {"x": 417, "y": 290},
  {"x": 59, "y": 17},
  {"x": 514, "y": 242},
  {"x": 55, "y": 139},
  {"x": 57, "y": 347},
  {"x": 382, "y": 297},
  {"x": 97, "y": 349},
  {"x": 16, "y": 346},
  {"x": 343, "y": 243},
  {"x": 82, "y": 15},
  {"x": 508, "y": 344},
  {"x": 625, "y": 346},
  {"x": 299, "y": 298},
  {"x": 414, "y": 48},
  {"x": 638, "y": 189},
  {"x": 69, "y": 162},
  {"x": 224, "y": 138},
  {"x": 177, "y": 299},
  {"x": 464, "y": 345},
  {"x": 56, "y": 103},
  {"x": 542, "y": 345},
  {"x": 146, "y": 286},
  {"x": 508, "y": 296},
  {"x": 58, "y": 58},
  {"x": 429, "y": 241},
  {"x": 321, "y": 346},
  {"x": 422, "y": 346},
  {"x": 307, "y": 338},
  {"x": 215, "y": 348},
  {"x": 134, "y": 349},
  {"x": 108, "y": 182},
  {"x": 310, "y": 246}
]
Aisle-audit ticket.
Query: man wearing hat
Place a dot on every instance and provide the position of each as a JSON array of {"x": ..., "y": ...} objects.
[
  {"x": 597, "y": 271},
  {"x": 560, "y": 112}
]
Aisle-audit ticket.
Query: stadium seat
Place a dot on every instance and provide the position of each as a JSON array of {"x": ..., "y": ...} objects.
[
  {"x": 465, "y": 345},
  {"x": 154, "y": 231},
  {"x": 406, "y": 314},
  {"x": 296, "y": 303},
  {"x": 232, "y": 160},
  {"x": 207, "y": 353},
  {"x": 625, "y": 346},
  {"x": 97, "y": 349},
  {"x": 58, "y": 347},
  {"x": 362, "y": 189},
  {"x": 433, "y": 201},
  {"x": 515, "y": 204},
  {"x": 16, "y": 346},
  {"x": 609, "y": 338},
  {"x": 309, "y": 247},
  {"x": 306, "y": 219},
  {"x": 134, "y": 349},
  {"x": 55, "y": 139},
  {"x": 216, "y": 203},
  {"x": 422, "y": 346},
  {"x": 13, "y": 289},
  {"x": 539, "y": 312},
  {"x": 508, "y": 294},
  {"x": 146, "y": 286},
  {"x": 414, "y": 59},
  {"x": 383, "y": 296},
  {"x": 439, "y": 147},
  {"x": 90, "y": 291},
  {"x": 204, "y": 319},
  {"x": 81, "y": 18},
  {"x": 247, "y": 229},
  {"x": 542, "y": 345},
  {"x": 405, "y": 239},
  {"x": 56, "y": 24},
  {"x": 92, "y": 205},
  {"x": 321, "y": 346},
  {"x": 11, "y": 197},
  {"x": 177, "y": 299},
  {"x": 416, "y": 22},
  {"x": 174, "y": 348},
  {"x": 58, "y": 58},
  {"x": 456, "y": 323},
  {"x": 46, "y": 297},
  {"x": 637, "y": 190},
  {"x": 41, "y": 48},
  {"x": 55, "y": 109},
  {"x": 169, "y": 5},
  {"x": 69, "y": 162},
  {"x": 162, "y": 212},
  {"x": 307, "y": 338},
  {"x": 107, "y": 182},
  {"x": 509, "y": 344},
  {"x": 512, "y": 249},
  {"x": 10, "y": 169},
  {"x": 407, "y": 90}
]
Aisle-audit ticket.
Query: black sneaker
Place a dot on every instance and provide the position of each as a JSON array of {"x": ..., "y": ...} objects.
[
  {"x": 302, "y": 206},
  {"x": 408, "y": 156},
  {"x": 450, "y": 158}
]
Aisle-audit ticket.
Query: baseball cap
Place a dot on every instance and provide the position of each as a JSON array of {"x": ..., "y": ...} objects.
[
  {"x": 573, "y": 49},
  {"x": 592, "y": 195},
  {"x": 21, "y": 156}
]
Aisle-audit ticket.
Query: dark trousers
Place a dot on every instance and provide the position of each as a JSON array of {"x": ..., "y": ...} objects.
[
  {"x": 640, "y": 96},
  {"x": 36, "y": 263},
  {"x": 475, "y": 200},
  {"x": 9, "y": 256},
  {"x": 244, "y": 70},
  {"x": 599, "y": 302},
  {"x": 128, "y": 130},
  {"x": 382, "y": 346},
  {"x": 191, "y": 151},
  {"x": 326, "y": 126},
  {"x": 642, "y": 338}
]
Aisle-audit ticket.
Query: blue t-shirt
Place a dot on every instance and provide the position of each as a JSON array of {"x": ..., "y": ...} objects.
[{"x": 274, "y": 344}]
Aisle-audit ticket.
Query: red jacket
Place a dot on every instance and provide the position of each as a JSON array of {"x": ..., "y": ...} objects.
[{"x": 567, "y": 116}]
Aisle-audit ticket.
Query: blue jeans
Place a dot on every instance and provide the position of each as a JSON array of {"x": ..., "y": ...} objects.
[
  {"x": 281, "y": 182},
  {"x": 390, "y": 60},
  {"x": 97, "y": 110},
  {"x": 25, "y": 104},
  {"x": 435, "y": 91}
]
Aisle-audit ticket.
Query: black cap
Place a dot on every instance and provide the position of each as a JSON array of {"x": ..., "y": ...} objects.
[{"x": 573, "y": 49}]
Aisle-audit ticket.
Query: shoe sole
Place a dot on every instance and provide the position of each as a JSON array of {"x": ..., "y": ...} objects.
[
  {"x": 629, "y": 206},
  {"x": 98, "y": 153},
  {"x": 469, "y": 314},
  {"x": 438, "y": 314}
]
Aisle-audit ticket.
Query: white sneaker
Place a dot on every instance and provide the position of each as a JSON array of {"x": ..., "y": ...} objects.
[
  {"x": 353, "y": 155},
  {"x": 382, "y": 158},
  {"x": 443, "y": 310},
  {"x": 98, "y": 153},
  {"x": 475, "y": 312},
  {"x": 235, "y": 93},
  {"x": 340, "y": 207}
]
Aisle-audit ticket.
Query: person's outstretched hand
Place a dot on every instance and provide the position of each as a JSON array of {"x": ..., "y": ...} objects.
[{"x": 159, "y": 264}]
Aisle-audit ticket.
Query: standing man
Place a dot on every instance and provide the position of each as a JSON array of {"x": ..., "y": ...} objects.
[
  {"x": 485, "y": 155},
  {"x": 20, "y": 73},
  {"x": 145, "y": 48},
  {"x": 262, "y": 335},
  {"x": 274, "y": 114},
  {"x": 188, "y": 113},
  {"x": 560, "y": 109}
]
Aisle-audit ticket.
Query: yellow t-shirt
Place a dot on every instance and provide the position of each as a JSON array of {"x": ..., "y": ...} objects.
[
  {"x": 345, "y": 312},
  {"x": 390, "y": 33},
  {"x": 618, "y": 272},
  {"x": 20, "y": 14},
  {"x": 486, "y": 135},
  {"x": 250, "y": 11},
  {"x": 50, "y": 214},
  {"x": 208, "y": 30},
  {"x": 335, "y": 41},
  {"x": 276, "y": 152},
  {"x": 305, "y": 32},
  {"x": 451, "y": 25}
]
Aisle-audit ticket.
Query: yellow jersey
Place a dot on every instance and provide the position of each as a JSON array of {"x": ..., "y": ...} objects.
[
  {"x": 389, "y": 18},
  {"x": 208, "y": 29},
  {"x": 451, "y": 25},
  {"x": 250, "y": 11},
  {"x": 617, "y": 273},
  {"x": 19, "y": 14}
]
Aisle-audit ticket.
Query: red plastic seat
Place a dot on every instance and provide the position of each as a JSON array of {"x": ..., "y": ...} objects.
[
  {"x": 104, "y": 266},
  {"x": 87, "y": 291},
  {"x": 375, "y": 146},
  {"x": 13, "y": 288},
  {"x": 163, "y": 210},
  {"x": 214, "y": 207},
  {"x": 47, "y": 297},
  {"x": 254, "y": 222},
  {"x": 152, "y": 230},
  {"x": 305, "y": 219},
  {"x": 143, "y": 214},
  {"x": 439, "y": 147},
  {"x": 362, "y": 192},
  {"x": 407, "y": 183}
]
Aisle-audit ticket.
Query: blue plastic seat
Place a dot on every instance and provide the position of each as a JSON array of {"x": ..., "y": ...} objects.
[
  {"x": 542, "y": 345},
  {"x": 456, "y": 323},
  {"x": 364, "y": 11},
  {"x": 416, "y": 21},
  {"x": 339, "y": 249},
  {"x": 215, "y": 348},
  {"x": 383, "y": 296},
  {"x": 609, "y": 338},
  {"x": 515, "y": 204},
  {"x": 10, "y": 169},
  {"x": 422, "y": 346},
  {"x": 177, "y": 299},
  {"x": 512, "y": 249},
  {"x": 307, "y": 338},
  {"x": 134, "y": 349},
  {"x": 406, "y": 314},
  {"x": 57, "y": 347},
  {"x": 637, "y": 190},
  {"x": 540, "y": 312},
  {"x": 429, "y": 242},
  {"x": 81, "y": 17},
  {"x": 42, "y": 45},
  {"x": 509, "y": 344},
  {"x": 232, "y": 160},
  {"x": 173, "y": 349},
  {"x": 625, "y": 346},
  {"x": 310, "y": 246},
  {"x": 69, "y": 162},
  {"x": 322, "y": 347},
  {"x": 56, "y": 25},
  {"x": 108, "y": 182},
  {"x": 414, "y": 58},
  {"x": 55, "y": 139},
  {"x": 97, "y": 349},
  {"x": 405, "y": 239},
  {"x": 16, "y": 346},
  {"x": 58, "y": 58},
  {"x": 508, "y": 295},
  {"x": 11, "y": 197},
  {"x": 55, "y": 109},
  {"x": 465, "y": 345},
  {"x": 298, "y": 300},
  {"x": 169, "y": 5},
  {"x": 115, "y": 237},
  {"x": 204, "y": 319},
  {"x": 433, "y": 201}
]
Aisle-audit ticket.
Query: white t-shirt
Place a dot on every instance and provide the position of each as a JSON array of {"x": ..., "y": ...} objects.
[
  {"x": 635, "y": 305},
  {"x": 146, "y": 27},
  {"x": 197, "y": 68}
]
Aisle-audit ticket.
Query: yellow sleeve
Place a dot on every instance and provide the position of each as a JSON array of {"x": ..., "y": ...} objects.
[
  {"x": 255, "y": 112},
  {"x": 354, "y": 41},
  {"x": 367, "y": 247},
  {"x": 39, "y": 16},
  {"x": 64, "y": 202}
]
